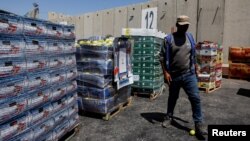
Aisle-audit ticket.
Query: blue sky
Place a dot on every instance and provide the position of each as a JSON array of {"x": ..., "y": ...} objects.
[{"x": 69, "y": 7}]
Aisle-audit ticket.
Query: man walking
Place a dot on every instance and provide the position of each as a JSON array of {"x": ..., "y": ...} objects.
[{"x": 180, "y": 71}]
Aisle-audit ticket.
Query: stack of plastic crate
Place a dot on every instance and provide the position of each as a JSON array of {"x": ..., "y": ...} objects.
[
  {"x": 209, "y": 58},
  {"x": 147, "y": 70},
  {"x": 38, "y": 98},
  {"x": 95, "y": 76}
]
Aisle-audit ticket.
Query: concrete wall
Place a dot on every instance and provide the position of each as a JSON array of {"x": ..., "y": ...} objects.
[
  {"x": 236, "y": 24},
  {"x": 222, "y": 21},
  {"x": 211, "y": 20},
  {"x": 108, "y": 22},
  {"x": 88, "y": 25},
  {"x": 121, "y": 18},
  {"x": 134, "y": 16},
  {"x": 166, "y": 15},
  {"x": 188, "y": 7}
]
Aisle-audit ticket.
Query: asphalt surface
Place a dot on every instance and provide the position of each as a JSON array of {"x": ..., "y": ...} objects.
[{"x": 142, "y": 120}]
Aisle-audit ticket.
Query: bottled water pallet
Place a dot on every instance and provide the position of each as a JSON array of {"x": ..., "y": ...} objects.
[
  {"x": 152, "y": 94},
  {"x": 71, "y": 133},
  {"x": 111, "y": 113},
  {"x": 209, "y": 90}
]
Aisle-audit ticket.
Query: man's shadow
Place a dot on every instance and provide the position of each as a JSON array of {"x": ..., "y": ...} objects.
[{"x": 157, "y": 117}]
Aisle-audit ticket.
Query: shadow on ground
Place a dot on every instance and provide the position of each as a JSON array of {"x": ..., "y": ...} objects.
[{"x": 244, "y": 92}]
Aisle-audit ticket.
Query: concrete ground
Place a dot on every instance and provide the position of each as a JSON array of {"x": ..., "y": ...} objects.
[{"x": 142, "y": 120}]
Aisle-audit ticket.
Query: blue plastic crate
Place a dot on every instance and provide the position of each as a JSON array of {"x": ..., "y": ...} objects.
[
  {"x": 14, "y": 127},
  {"x": 95, "y": 80},
  {"x": 12, "y": 67},
  {"x": 73, "y": 121},
  {"x": 70, "y": 60},
  {"x": 40, "y": 114},
  {"x": 43, "y": 128},
  {"x": 57, "y": 77},
  {"x": 68, "y": 31},
  {"x": 61, "y": 130},
  {"x": 12, "y": 87},
  {"x": 92, "y": 54},
  {"x": 61, "y": 116},
  {"x": 11, "y": 46},
  {"x": 37, "y": 80},
  {"x": 47, "y": 137},
  {"x": 58, "y": 91},
  {"x": 59, "y": 104},
  {"x": 98, "y": 105},
  {"x": 69, "y": 46},
  {"x": 122, "y": 95},
  {"x": 97, "y": 93},
  {"x": 56, "y": 62},
  {"x": 73, "y": 108},
  {"x": 71, "y": 86},
  {"x": 25, "y": 136},
  {"x": 71, "y": 74},
  {"x": 38, "y": 97},
  {"x": 55, "y": 47},
  {"x": 10, "y": 24},
  {"x": 93, "y": 66},
  {"x": 12, "y": 107},
  {"x": 37, "y": 63},
  {"x": 35, "y": 46},
  {"x": 34, "y": 27},
  {"x": 71, "y": 98},
  {"x": 54, "y": 30}
]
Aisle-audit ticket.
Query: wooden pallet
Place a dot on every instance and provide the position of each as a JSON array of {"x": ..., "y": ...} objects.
[
  {"x": 71, "y": 133},
  {"x": 153, "y": 95},
  {"x": 117, "y": 109},
  {"x": 209, "y": 90}
]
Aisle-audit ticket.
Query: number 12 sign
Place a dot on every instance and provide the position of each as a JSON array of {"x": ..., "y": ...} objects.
[{"x": 149, "y": 18}]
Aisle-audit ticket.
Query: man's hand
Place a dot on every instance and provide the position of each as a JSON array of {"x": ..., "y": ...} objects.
[{"x": 167, "y": 77}]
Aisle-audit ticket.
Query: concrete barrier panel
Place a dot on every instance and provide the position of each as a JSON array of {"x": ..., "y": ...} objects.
[
  {"x": 79, "y": 26},
  {"x": 134, "y": 16},
  {"x": 236, "y": 24},
  {"x": 88, "y": 25},
  {"x": 108, "y": 22},
  {"x": 121, "y": 16},
  {"x": 189, "y": 8},
  {"x": 97, "y": 23},
  {"x": 210, "y": 20},
  {"x": 166, "y": 15}
]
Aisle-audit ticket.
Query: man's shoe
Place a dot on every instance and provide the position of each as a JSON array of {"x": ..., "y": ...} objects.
[
  {"x": 199, "y": 129},
  {"x": 167, "y": 121}
]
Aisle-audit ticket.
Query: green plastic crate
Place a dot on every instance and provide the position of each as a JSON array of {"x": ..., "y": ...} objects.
[
  {"x": 142, "y": 58},
  {"x": 146, "y": 51},
  {"x": 147, "y": 70},
  {"x": 148, "y": 77},
  {"x": 149, "y": 84},
  {"x": 145, "y": 45},
  {"x": 145, "y": 64},
  {"x": 148, "y": 39}
]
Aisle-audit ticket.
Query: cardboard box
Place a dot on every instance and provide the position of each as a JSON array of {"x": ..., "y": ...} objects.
[
  {"x": 206, "y": 84},
  {"x": 235, "y": 69},
  {"x": 235, "y": 53},
  {"x": 245, "y": 69},
  {"x": 206, "y": 78}
]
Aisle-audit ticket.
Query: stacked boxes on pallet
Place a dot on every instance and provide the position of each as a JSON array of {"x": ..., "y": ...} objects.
[
  {"x": 209, "y": 58},
  {"x": 239, "y": 62},
  {"x": 147, "y": 70},
  {"x": 95, "y": 65},
  {"x": 38, "y": 99}
]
